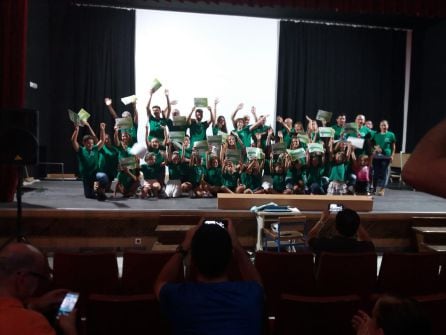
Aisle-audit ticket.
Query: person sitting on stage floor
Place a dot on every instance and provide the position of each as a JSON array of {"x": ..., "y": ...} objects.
[
  {"x": 173, "y": 162},
  {"x": 251, "y": 178},
  {"x": 88, "y": 159},
  {"x": 393, "y": 316},
  {"x": 22, "y": 267},
  {"x": 153, "y": 173},
  {"x": 350, "y": 234},
  {"x": 213, "y": 176},
  {"x": 212, "y": 304},
  {"x": 425, "y": 170}
]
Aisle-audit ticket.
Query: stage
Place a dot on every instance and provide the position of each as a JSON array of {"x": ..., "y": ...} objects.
[{"x": 57, "y": 216}]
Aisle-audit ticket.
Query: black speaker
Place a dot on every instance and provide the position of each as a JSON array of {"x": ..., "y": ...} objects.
[{"x": 19, "y": 134}]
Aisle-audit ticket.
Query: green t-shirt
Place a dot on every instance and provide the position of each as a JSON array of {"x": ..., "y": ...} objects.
[
  {"x": 125, "y": 180},
  {"x": 251, "y": 180},
  {"x": 278, "y": 181},
  {"x": 264, "y": 130},
  {"x": 213, "y": 176},
  {"x": 245, "y": 136},
  {"x": 385, "y": 141},
  {"x": 171, "y": 127},
  {"x": 338, "y": 130},
  {"x": 230, "y": 179},
  {"x": 337, "y": 172},
  {"x": 156, "y": 128},
  {"x": 198, "y": 131},
  {"x": 108, "y": 160},
  {"x": 154, "y": 171},
  {"x": 174, "y": 171},
  {"x": 198, "y": 171},
  {"x": 88, "y": 161},
  {"x": 314, "y": 175},
  {"x": 296, "y": 174}
]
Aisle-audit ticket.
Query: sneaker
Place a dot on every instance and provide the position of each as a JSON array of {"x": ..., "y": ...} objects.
[
  {"x": 381, "y": 192},
  {"x": 100, "y": 195}
]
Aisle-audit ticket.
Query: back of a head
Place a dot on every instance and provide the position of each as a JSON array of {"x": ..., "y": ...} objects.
[
  {"x": 211, "y": 250},
  {"x": 16, "y": 256},
  {"x": 347, "y": 222},
  {"x": 398, "y": 316}
]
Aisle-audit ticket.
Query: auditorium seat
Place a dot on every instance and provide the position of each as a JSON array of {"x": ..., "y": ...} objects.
[
  {"x": 434, "y": 305},
  {"x": 301, "y": 315},
  {"x": 346, "y": 273},
  {"x": 409, "y": 273},
  {"x": 140, "y": 270},
  {"x": 124, "y": 314},
  {"x": 86, "y": 272},
  {"x": 284, "y": 272}
]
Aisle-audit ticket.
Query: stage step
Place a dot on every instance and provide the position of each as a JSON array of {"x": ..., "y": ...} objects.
[
  {"x": 164, "y": 247},
  {"x": 431, "y": 238}
]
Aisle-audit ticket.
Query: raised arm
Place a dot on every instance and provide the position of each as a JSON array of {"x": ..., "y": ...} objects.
[
  {"x": 108, "y": 103},
  {"x": 284, "y": 125},
  {"x": 101, "y": 142},
  {"x": 92, "y": 133},
  {"x": 135, "y": 113},
  {"x": 148, "y": 110},
  {"x": 315, "y": 230},
  {"x": 116, "y": 137},
  {"x": 211, "y": 113},
  {"x": 214, "y": 116},
  {"x": 431, "y": 151},
  {"x": 74, "y": 142},
  {"x": 254, "y": 113},
  {"x": 257, "y": 124},
  {"x": 189, "y": 117},
  {"x": 166, "y": 113},
  {"x": 234, "y": 113}
]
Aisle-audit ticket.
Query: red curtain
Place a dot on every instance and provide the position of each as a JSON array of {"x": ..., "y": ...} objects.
[{"x": 13, "y": 28}]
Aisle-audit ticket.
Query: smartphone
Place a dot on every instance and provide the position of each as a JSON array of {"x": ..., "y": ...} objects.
[
  {"x": 334, "y": 208},
  {"x": 68, "y": 303},
  {"x": 221, "y": 222}
]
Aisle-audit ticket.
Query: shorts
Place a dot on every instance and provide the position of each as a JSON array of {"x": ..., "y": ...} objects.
[{"x": 173, "y": 188}]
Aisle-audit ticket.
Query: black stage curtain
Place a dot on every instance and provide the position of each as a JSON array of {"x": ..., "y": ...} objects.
[
  {"x": 92, "y": 56},
  {"x": 340, "y": 69}
]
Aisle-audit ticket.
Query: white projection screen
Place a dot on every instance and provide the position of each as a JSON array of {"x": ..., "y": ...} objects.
[{"x": 233, "y": 58}]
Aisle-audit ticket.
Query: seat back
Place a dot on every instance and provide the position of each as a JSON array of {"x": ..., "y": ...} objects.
[
  {"x": 119, "y": 315},
  {"x": 346, "y": 273},
  {"x": 409, "y": 273},
  {"x": 434, "y": 306},
  {"x": 86, "y": 272},
  {"x": 140, "y": 270},
  {"x": 302, "y": 315},
  {"x": 284, "y": 272}
]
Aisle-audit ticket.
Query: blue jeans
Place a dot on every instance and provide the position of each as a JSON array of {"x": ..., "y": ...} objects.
[
  {"x": 380, "y": 172},
  {"x": 88, "y": 183}
]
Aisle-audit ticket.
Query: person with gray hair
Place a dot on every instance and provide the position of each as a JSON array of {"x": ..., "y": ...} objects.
[{"x": 22, "y": 268}]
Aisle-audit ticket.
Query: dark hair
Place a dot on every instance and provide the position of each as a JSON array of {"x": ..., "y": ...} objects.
[
  {"x": 223, "y": 129},
  {"x": 87, "y": 138},
  {"x": 211, "y": 250},
  {"x": 347, "y": 222},
  {"x": 199, "y": 110},
  {"x": 401, "y": 316},
  {"x": 156, "y": 106}
]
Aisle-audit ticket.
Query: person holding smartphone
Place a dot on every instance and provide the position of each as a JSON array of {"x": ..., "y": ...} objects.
[
  {"x": 22, "y": 269},
  {"x": 350, "y": 235},
  {"x": 212, "y": 304}
]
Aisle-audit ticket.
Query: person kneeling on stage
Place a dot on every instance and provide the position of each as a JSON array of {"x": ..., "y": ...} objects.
[
  {"x": 94, "y": 182},
  {"x": 212, "y": 304}
]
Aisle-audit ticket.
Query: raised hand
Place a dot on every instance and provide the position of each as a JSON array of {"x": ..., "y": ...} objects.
[
  {"x": 102, "y": 125},
  {"x": 279, "y": 119},
  {"x": 108, "y": 101},
  {"x": 240, "y": 106}
]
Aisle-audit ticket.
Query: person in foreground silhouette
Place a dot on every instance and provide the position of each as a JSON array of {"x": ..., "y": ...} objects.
[{"x": 212, "y": 304}]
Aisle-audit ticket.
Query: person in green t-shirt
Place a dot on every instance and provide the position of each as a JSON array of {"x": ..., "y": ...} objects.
[
  {"x": 316, "y": 180},
  {"x": 133, "y": 131},
  {"x": 338, "y": 170},
  {"x": 157, "y": 124},
  {"x": 197, "y": 127},
  {"x": 173, "y": 162},
  {"x": 339, "y": 126},
  {"x": 230, "y": 176},
  {"x": 153, "y": 176},
  {"x": 384, "y": 149},
  {"x": 213, "y": 176},
  {"x": 108, "y": 161},
  {"x": 296, "y": 177},
  {"x": 251, "y": 178},
  {"x": 94, "y": 182}
]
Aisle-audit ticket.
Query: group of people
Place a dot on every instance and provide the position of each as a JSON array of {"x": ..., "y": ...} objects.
[{"x": 179, "y": 157}]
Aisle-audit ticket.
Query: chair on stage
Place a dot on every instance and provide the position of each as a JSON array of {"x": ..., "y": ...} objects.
[
  {"x": 140, "y": 270},
  {"x": 301, "y": 315},
  {"x": 409, "y": 273},
  {"x": 289, "y": 232},
  {"x": 124, "y": 314},
  {"x": 346, "y": 273},
  {"x": 284, "y": 272}
]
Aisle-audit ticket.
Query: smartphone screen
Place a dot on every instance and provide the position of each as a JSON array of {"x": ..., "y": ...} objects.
[
  {"x": 68, "y": 303},
  {"x": 334, "y": 208},
  {"x": 222, "y": 223}
]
